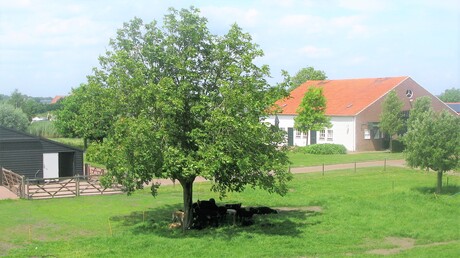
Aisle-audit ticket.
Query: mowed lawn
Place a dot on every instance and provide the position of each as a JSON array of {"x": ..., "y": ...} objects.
[{"x": 343, "y": 213}]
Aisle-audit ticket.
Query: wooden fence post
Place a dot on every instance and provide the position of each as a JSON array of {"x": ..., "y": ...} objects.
[
  {"x": 1, "y": 177},
  {"x": 27, "y": 188},
  {"x": 23, "y": 188},
  {"x": 77, "y": 182}
]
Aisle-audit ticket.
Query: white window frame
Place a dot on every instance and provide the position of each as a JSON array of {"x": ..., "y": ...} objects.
[
  {"x": 330, "y": 135},
  {"x": 367, "y": 134},
  {"x": 322, "y": 134},
  {"x": 298, "y": 134}
]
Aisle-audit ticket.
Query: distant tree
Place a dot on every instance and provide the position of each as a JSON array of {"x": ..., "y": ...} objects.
[
  {"x": 183, "y": 103},
  {"x": 432, "y": 141},
  {"x": 31, "y": 108},
  {"x": 3, "y": 98},
  {"x": 86, "y": 112},
  {"x": 17, "y": 99},
  {"x": 450, "y": 95},
  {"x": 306, "y": 74},
  {"x": 12, "y": 117},
  {"x": 312, "y": 111},
  {"x": 391, "y": 120}
]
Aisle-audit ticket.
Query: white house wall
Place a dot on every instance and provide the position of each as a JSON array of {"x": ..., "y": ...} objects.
[{"x": 343, "y": 129}]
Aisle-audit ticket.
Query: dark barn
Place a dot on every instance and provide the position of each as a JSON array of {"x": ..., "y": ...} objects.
[{"x": 35, "y": 157}]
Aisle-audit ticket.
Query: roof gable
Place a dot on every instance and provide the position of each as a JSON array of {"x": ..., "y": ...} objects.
[{"x": 344, "y": 97}]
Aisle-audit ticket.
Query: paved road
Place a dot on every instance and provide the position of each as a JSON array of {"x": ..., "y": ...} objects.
[{"x": 6, "y": 194}]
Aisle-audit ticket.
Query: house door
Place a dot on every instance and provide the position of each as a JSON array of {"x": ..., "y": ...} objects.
[
  {"x": 290, "y": 136},
  {"x": 50, "y": 165},
  {"x": 312, "y": 137}
]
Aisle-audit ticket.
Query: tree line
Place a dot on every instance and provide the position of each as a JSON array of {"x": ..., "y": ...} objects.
[{"x": 17, "y": 109}]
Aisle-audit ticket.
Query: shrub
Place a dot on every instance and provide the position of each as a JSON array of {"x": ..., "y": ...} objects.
[
  {"x": 95, "y": 153},
  {"x": 325, "y": 149},
  {"x": 397, "y": 146},
  {"x": 13, "y": 118}
]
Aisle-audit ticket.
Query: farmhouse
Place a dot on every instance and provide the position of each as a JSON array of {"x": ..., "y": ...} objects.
[
  {"x": 354, "y": 107},
  {"x": 35, "y": 157}
]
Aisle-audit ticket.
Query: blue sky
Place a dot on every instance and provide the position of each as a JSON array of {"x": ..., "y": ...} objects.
[{"x": 48, "y": 47}]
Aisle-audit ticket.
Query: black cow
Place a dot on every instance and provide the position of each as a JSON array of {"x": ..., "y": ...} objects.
[{"x": 263, "y": 210}]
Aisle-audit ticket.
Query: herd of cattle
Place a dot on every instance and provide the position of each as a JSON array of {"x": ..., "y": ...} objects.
[{"x": 208, "y": 213}]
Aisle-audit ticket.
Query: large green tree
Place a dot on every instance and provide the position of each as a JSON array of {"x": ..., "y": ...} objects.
[
  {"x": 12, "y": 117},
  {"x": 450, "y": 95},
  {"x": 306, "y": 74},
  {"x": 432, "y": 140},
  {"x": 187, "y": 103},
  {"x": 391, "y": 120},
  {"x": 312, "y": 111}
]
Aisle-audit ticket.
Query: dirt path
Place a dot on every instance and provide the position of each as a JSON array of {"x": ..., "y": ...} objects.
[{"x": 6, "y": 194}]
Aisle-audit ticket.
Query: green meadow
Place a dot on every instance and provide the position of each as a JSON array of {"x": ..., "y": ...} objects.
[{"x": 366, "y": 213}]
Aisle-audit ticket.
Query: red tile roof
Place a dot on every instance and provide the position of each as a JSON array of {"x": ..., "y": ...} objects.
[
  {"x": 56, "y": 99},
  {"x": 344, "y": 97}
]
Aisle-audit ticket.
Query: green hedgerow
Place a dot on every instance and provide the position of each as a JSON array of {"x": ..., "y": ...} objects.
[{"x": 325, "y": 149}]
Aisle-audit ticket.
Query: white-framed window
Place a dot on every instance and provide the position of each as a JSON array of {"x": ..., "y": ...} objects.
[
  {"x": 330, "y": 135},
  {"x": 322, "y": 134},
  {"x": 298, "y": 134},
  {"x": 367, "y": 134}
]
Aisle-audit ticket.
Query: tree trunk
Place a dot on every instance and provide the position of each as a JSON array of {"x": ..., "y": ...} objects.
[
  {"x": 187, "y": 191},
  {"x": 439, "y": 183}
]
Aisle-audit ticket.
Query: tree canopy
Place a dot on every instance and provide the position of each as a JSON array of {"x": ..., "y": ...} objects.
[
  {"x": 180, "y": 102},
  {"x": 432, "y": 140},
  {"x": 450, "y": 95},
  {"x": 312, "y": 111},
  {"x": 306, "y": 74},
  {"x": 391, "y": 120},
  {"x": 13, "y": 118}
]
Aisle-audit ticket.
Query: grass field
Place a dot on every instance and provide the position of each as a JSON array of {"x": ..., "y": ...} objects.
[{"x": 342, "y": 213}]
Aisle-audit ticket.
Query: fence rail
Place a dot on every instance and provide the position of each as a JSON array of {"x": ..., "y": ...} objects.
[
  {"x": 44, "y": 188},
  {"x": 12, "y": 181},
  {"x": 67, "y": 187}
]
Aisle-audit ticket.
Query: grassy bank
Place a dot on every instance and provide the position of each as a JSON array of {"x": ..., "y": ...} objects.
[{"x": 339, "y": 214}]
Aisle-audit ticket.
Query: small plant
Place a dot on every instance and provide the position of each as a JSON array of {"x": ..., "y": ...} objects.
[{"x": 325, "y": 149}]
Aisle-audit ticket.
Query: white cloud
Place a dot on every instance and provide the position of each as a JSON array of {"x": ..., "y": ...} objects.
[
  {"x": 357, "y": 60},
  {"x": 315, "y": 52},
  {"x": 304, "y": 23},
  {"x": 354, "y": 25},
  {"x": 365, "y": 5},
  {"x": 228, "y": 15}
]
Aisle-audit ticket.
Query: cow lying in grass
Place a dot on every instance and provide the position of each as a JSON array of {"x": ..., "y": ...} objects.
[{"x": 207, "y": 213}]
